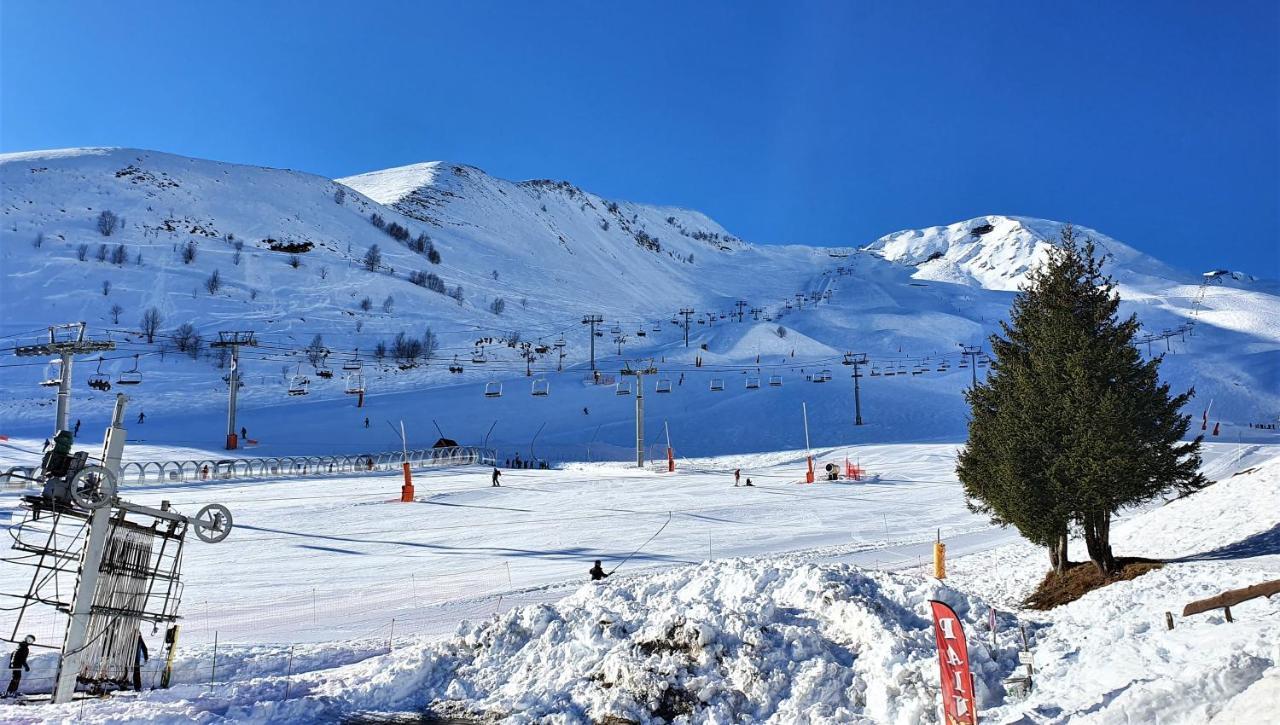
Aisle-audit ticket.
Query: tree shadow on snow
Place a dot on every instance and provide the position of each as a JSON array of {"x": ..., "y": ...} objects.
[{"x": 1264, "y": 543}]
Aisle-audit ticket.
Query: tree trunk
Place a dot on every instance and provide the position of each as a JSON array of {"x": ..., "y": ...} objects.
[
  {"x": 1058, "y": 554},
  {"x": 1097, "y": 539}
]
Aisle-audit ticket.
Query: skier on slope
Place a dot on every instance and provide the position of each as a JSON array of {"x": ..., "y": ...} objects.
[
  {"x": 142, "y": 417},
  {"x": 597, "y": 572},
  {"x": 496, "y": 475},
  {"x": 18, "y": 663},
  {"x": 737, "y": 474}
]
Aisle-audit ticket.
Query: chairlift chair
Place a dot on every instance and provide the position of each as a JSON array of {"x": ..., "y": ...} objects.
[
  {"x": 353, "y": 364},
  {"x": 299, "y": 385},
  {"x": 541, "y": 388},
  {"x": 130, "y": 377},
  {"x": 478, "y": 357},
  {"x": 775, "y": 381},
  {"x": 663, "y": 385},
  {"x": 99, "y": 381},
  {"x": 616, "y": 330},
  {"x": 875, "y": 372},
  {"x": 753, "y": 382},
  {"x": 355, "y": 383},
  {"x": 52, "y": 374},
  {"x": 641, "y": 333},
  {"x": 656, "y": 327},
  {"x": 717, "y": 385},
  {"x": 493, "y": 389},
  {"x": 323, "y": 372},
  {"x": 623, "y": 387}
]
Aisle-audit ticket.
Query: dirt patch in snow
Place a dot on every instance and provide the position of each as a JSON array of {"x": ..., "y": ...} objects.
[{"x": 1083, "y": 577}]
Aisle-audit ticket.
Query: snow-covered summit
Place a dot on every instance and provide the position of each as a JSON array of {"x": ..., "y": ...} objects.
[{"x": 997, "y": 252}]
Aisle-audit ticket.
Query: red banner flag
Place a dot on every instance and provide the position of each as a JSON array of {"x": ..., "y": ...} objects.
[{"x": 953, "y": 662}]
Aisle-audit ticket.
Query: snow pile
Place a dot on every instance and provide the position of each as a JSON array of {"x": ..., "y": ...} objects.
[{"x": 721, "y": 641}]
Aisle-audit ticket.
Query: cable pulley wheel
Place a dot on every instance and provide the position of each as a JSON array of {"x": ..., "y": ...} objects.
[
  {"x": 92, "y": 487},
  {"x": 212, "y": 523}
]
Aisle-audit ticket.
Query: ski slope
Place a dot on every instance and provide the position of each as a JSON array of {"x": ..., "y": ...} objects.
[{"x": 781, "y": 602}]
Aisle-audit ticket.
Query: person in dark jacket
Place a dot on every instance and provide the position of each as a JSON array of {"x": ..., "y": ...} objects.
[
  {"x": 496, "y": 475},
  {"x": 76, "y": 432},
  {"x": 597, "y": 572},
  {"x": 18, "y": 663},
  {"x": 140, "y": 655},
  {"x": 737, "y": 476}
]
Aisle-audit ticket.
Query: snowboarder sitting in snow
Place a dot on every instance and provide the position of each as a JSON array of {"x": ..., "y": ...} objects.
[
  {"x": 749, "y": 483},
  {"x": 597, "y": 572},
  {"x": 18, "y": 663},
  {"x": 496, "y": 475}
]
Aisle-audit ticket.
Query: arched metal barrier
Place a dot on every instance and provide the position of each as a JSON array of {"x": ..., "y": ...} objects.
[{"x": 147, "y": 472}]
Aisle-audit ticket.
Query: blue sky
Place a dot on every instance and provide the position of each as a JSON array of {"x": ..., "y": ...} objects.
[{"x": 807, "y": 122}]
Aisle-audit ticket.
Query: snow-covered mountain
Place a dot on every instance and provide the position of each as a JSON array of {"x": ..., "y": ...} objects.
[
  {"x": 487, "y": 264},
  {"x": 997, "y": 252}
]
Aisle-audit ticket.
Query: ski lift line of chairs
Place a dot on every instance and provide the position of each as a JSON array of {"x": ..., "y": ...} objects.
[{"x": 100, "y": 381}]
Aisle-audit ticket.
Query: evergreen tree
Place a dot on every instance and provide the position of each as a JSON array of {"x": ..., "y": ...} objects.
[{"x": 1072, "y": 424}]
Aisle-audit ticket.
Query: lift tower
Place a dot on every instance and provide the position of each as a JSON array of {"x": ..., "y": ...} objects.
[
  {"x": 857, "y": 360},
  {"x": 233, "y": 340},
  {"x": 65, "y": 341},
  {"x": 687, "y": 313},
  {"x": 639, "y": 373},
  {"x": 592, "y": 320}
]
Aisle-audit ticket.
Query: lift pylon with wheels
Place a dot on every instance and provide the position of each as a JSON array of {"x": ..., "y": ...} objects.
[{"x": 107, "y": 565}]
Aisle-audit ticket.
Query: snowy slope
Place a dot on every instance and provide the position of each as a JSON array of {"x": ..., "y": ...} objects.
[
  {"x": 553, "y": 253},
  {"x": 781, "y": 636}
]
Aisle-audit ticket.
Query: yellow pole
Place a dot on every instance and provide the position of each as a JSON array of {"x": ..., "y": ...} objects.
[{"x": 939, "y": 558}]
